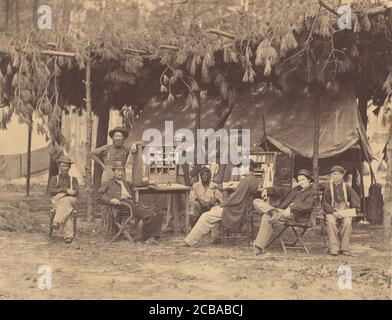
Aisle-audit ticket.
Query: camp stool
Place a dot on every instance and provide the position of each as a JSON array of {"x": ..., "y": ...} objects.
[
  {"x": 291, "y": 225},
  {"x": 247, "y": 230},
  {"x": 126, "y": 219},
  {"x": 74, "y": 215}
]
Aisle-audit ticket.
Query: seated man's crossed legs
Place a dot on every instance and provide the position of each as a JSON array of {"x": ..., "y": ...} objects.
[
  {"x": 271, "y": 217},
  {"x": 207, "y": 222},
  {"x": 152, "y": 218}
]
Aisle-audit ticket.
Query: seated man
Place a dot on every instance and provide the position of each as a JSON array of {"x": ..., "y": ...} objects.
[
  {"x": 64, "y": 189},
  {"x": 296, "y": 202},
  {"x": 117, "y": 190},
  {"x": 231, "y": 212},
  {"x": 337, "y": 197},
  {"x": 204, "y": 195}
]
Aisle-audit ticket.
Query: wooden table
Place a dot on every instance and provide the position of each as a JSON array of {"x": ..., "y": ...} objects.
[{"x": 174, "y": 189}]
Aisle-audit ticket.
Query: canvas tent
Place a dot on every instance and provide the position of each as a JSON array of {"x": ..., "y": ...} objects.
[
  {"x": 289, "y": 123},
  {"x": 13, "y": 152}
]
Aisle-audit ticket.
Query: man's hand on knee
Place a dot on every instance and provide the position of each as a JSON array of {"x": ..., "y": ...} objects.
[{"x": 115, "y": 202}]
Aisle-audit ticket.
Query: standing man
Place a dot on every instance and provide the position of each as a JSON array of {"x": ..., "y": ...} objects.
[
  {"x": 337, "y": 197},
  {"x": 231, "y": 212},
  {"x": 118, "y": 190},
  {"x": 64, "y": 189},
  {"x": 295, "y": 202},
  {"x": 109, "y": 153},
  {"x": 205, "y": 194}
]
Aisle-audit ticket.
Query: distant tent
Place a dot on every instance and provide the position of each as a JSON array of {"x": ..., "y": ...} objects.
[{"x": 13, "y": 151}]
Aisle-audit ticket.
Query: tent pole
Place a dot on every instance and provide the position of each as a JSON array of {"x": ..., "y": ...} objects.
[
  {"x": 362, "y": 187},
  {"x": 30, "y": 131},
  {"x": 197, "y": 124},
  {"x": 89, "y": 187},
  {"x": 316, "y": 145},
  {"x": 265, "y": 134}
]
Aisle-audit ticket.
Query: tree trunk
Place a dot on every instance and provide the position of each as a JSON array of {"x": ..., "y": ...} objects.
[
  {"x": 102, "y": 134},
  {"x": 53, "y": 167},
  {"x": 388, "y": 196},
  {"x": 30, "y": 132},
  {"x": 316, "y": 143},
  {"x": 7, "y": 14},
  {"x": 197, "y": 123},
  {"x": 35, "y": 13},
  {"x": 89, "y": 187},
  {"x": 16, "y": 3}
]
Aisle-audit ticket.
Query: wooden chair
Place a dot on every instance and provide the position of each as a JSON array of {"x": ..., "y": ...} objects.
[
  {"x": 246, "y": 232},
  {"x": 74, "y": 215}
]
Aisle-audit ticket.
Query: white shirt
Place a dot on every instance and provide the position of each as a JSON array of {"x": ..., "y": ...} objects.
[{"x": 124, "y": 192}]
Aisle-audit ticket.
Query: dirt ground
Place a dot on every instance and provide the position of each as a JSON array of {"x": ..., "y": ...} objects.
[{"x": 91, "y": 268}]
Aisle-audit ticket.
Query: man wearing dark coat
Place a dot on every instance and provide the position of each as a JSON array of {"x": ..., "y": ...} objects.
[
  {"x": 117, "y": 190},
  {"x": 295, "y": 202},
  {"x": 231, "y": 213}
]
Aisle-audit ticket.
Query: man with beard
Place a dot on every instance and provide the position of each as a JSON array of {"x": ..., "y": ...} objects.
[
  {"x": 204, "y": 195},
  {"x": 64, "y": 189},
  {"x": 113, "y": 152}
]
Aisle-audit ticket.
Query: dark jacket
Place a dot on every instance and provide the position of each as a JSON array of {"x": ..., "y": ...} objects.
[
  {"x": 239, "y": 202},
  {"x": 352, "y": 198},
  {"x": 111, "y": 190},
  {"x": 60, "y": 184},
  {"x": 299, "y": 201}
]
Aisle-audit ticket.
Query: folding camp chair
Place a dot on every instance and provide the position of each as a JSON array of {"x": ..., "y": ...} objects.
[
  {"x": 292, "y": 224},
  {"x": 74, "y": 215},
  {"x": 125, "y": 220}
]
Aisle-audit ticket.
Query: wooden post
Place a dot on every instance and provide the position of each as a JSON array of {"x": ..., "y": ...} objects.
[
  {"x": 265, "y": 134},
  {"x": 316, "y": 145},
  {"x": 197, "y": 122},
  {"x": 30, "y": 133},
  {"x": 388, "y": 195},
  {"x": 89, "y": 187},
  {"x": 362, "y": 186}
]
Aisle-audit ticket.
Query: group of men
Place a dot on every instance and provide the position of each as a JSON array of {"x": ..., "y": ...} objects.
[{"x": 208, "y": 207}]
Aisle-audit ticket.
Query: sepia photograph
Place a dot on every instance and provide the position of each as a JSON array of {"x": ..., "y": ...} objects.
[{"x": 188, "y": 151}]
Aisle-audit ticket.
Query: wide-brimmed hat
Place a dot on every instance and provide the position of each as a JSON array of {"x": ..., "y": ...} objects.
[
  {"x": 304, "y": 172},
  {"x": 337, "y": 169},
  {"x": 64, "y": 159},
  {"x": 116, "y": 164},
  {"x": 124, "y": 131}
]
